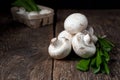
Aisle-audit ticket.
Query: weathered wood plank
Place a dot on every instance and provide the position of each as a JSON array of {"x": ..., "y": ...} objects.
[
  {"x": 23, "y": 52},
  {"x": 104, "y": 22}
]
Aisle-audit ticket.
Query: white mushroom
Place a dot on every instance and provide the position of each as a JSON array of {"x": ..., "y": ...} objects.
[
  {"x": 44, "y": 11},
  {"x": 31, "y": 14},
  {"x": 86, "y": 39},
  {"x": 21, "y": 10},
  {"x": 59, "y": 48},
  {"x": 65, "y": 34},
  {"x": 83, "y": 46},
  {"x": 75, "y": 23},
  {"x": 91, "y": 32}
]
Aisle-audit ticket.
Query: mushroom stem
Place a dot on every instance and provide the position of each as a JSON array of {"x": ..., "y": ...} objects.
[
  {"x": 87, "y": 39},
  {"x": 55, "y": 42}
]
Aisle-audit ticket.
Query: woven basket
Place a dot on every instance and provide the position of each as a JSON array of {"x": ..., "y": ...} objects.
[{"x": 36, "y": 20}]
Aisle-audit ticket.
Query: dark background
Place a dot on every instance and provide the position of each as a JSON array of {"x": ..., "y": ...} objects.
[{"x": 5, "y": 5}]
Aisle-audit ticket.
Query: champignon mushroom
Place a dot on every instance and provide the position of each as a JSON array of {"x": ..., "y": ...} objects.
[
  {"x": 75, "y": 23},
  {"x": 65, "y": 34},
  {"x": 21, "y": 10},
  {"x": 82, "y": 45},
  {"x": 44, "y": 11},
  {"x": 91, "y": 32},
  {"x": 59, "y": 48},
  {"x": 31, "y": 14}
]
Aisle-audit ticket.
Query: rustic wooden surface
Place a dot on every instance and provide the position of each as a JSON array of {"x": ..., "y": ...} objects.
[
  {"x": 24, "y": 56},
  {"x": 23, "y": 52}
]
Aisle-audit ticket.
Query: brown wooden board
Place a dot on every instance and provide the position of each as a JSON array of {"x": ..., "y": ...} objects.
[
  {"x": 23, "y": 52},
  {"x": 104, "y": 22}
]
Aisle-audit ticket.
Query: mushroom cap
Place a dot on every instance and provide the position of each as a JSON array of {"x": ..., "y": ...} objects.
[
  {"x": 21, "y": 10},
  {"x": 75, "y": 23},
  {"x": 59, "y": 48},
  {"x": 82, "y": 50},
  {"x": 65, "y": 34},
  {"x": 44, "y": 11},
  {"x": 32, "y": 13}
]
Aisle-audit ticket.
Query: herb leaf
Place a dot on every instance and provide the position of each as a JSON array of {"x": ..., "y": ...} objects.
[
  {"x": 98, "y": 58},
  {"x": 106, "y": 55},
  {"x": 83, "y": 65},
  {"x": 93, "y": 62},
  {"x": 99, "y": 62},
  {"x": 96, "y": 70},
  {"x": 29, "y": 5},
  {"x": 106, "y": 68}
]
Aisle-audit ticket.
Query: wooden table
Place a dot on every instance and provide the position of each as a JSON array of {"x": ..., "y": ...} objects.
[{"x": 24, "y": 54}]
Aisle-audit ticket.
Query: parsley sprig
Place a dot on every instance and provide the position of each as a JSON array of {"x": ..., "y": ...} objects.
[
  {"x": 29, "y": 5},
  {"x": 99, "y": 62}
]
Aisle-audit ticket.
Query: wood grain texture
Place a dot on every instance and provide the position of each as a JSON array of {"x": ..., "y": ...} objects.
[
  {"x": 23, "y": 52},
  {"x": 104, "y": 22},
  {"x": 24, "y": 56}
]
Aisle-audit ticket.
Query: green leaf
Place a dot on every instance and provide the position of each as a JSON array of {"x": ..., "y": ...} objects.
[
  {"x": 109, "y": 42},
  {"x": 83, "y": 64},
  {"x": 35, "y": 5},
  {"x": 96, "y": 70},
  {"x": 99, "y": 62},
  {"x": 93, "y": 62},
  {"x": 32, "y": 5},
  {"x": 106, "y": 55},
  {"x": 103, "y": 69},
  {"x": 29, "y": 5},
  {"x": 20, "y": 3},
  {"x": 106, "y": 68},
  {"x": 105, "y": 44},
  {"x": 98, "y": 58}
]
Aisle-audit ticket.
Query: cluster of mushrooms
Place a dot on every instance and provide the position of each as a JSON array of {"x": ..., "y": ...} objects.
[
  {"x": 76, "y": 36},
  {"x": 22, "y": 11}
]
